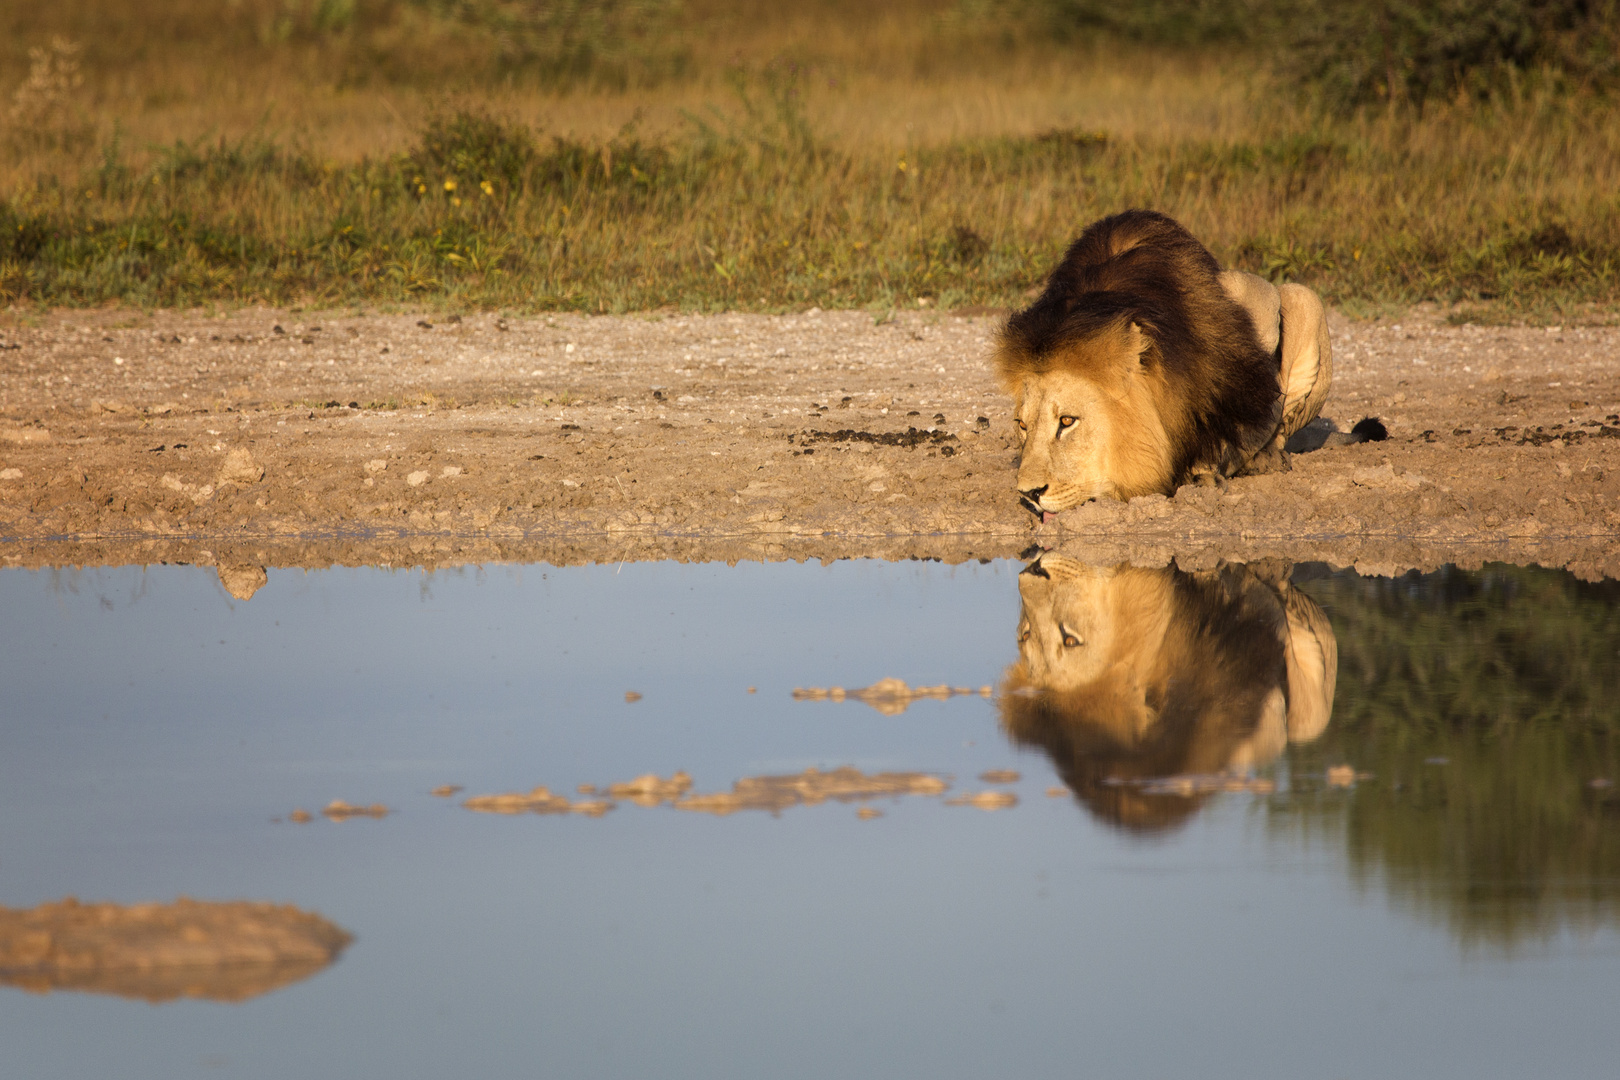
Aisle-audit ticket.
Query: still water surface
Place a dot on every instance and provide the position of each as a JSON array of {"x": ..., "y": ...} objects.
[{"x": 1267, "y": 822}]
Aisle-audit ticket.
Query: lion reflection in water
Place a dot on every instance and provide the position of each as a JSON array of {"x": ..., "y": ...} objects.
[{"x": 1127, "y": 676}]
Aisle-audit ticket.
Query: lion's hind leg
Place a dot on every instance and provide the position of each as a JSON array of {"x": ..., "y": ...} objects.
[{"x": 1306, "y": 373}]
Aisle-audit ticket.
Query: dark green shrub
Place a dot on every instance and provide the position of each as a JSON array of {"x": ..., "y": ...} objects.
[
  {"x": 1361, "y": 51},
  {"x": 1419, "y": 50},
  {"x": 1162, "y": 22}
]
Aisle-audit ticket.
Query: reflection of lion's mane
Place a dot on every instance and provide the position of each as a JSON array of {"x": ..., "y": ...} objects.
[{"x": 1187, "y": 674}]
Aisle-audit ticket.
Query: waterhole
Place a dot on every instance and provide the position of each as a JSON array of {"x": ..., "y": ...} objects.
[{"x": 1043, "y": 819}]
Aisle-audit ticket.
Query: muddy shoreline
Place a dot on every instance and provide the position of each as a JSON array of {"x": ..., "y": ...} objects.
[{"x": 271, "y": 438}]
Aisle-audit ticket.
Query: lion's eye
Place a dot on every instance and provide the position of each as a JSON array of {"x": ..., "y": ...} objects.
[
  {"x": 1066, "y": 421},
  {"x": 1070, "y": 638}
]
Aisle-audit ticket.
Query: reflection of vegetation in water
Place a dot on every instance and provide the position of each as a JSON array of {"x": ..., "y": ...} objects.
[{"x": 1485, "y": 704}]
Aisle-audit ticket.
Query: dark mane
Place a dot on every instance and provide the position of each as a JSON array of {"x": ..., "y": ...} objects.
[{"x": 1143, "y": 267}]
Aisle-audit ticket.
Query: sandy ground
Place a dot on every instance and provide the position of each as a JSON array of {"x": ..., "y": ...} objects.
[{"x": 264, "y": 438}]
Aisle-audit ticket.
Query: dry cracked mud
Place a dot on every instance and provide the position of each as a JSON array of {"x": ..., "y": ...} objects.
[{"x": 262, "y": 437}]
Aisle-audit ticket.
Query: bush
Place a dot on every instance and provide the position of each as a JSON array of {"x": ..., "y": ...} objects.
[
  {"x": 1166, "y": 22},
  {"x": 1419, "y": 50},
  {"x": 1362, "y": 51},
  {"x": 473, "y": 148}
]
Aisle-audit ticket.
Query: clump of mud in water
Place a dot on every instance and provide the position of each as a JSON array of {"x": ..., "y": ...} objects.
[
  {"x": 890, "y": 697},
  {"x": 986, "y": 800},
  {"x": 159, "y": 952},
  {"x": 811, "y": 787},
  {"x": 338, "y": 810},
  {"x": 538, "y": 801},
  {"x": 649, "y": 790}
]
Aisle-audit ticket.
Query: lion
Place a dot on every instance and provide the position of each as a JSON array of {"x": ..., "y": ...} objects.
[
  {"x": 1127, "y": 676},
  {"x": 1144, "y": 366}
]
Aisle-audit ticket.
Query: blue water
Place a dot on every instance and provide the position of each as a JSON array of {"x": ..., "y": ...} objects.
[{"x": 153, "y": 729}]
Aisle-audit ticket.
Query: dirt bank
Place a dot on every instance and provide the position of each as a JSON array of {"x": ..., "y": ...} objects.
[{"x": 265, "y": 437}]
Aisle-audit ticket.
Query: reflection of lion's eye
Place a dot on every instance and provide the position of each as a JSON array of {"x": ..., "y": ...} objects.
[
  {"x": 1021, "y": 426},
  {"x": 1065, "y": 421},
  {"x": 1023, "y": 633}
]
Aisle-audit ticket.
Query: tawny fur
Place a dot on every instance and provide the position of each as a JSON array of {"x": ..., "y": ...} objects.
[
  {"x": 1127, "y": 674},
  {"x": 1142, "y": 366}
]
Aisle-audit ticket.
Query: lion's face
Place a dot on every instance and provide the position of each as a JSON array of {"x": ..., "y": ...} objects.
[
  {"x": 1090, "y": 427},
  {"x": 1092, "y": 630},
  {"x": 1069, "y": 623}
]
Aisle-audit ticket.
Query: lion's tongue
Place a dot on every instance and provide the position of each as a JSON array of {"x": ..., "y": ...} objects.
[{"x": 1047, "y": 515}]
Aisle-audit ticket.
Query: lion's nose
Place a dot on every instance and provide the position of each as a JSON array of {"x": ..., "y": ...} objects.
[{"x": 1031, "y": 499}]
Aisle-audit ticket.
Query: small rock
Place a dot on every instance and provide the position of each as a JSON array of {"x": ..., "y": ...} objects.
[
  {"x": 10, "y": 474},
  {"x": 631, "y": 695},
  {"x": 376, "y": 465},
  {"x": 240, "y": 468},
  {"x": 417, "y": 478},
  {"x": 449, "y": 471}
]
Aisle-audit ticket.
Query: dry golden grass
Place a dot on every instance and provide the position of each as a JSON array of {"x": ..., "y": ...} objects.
[{"x": 855, "y": 154}]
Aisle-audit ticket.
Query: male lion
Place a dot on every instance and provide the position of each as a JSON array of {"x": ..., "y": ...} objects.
[
  {"x": 1143, "y": 365},
  {"x": 1148, "y": 688}
]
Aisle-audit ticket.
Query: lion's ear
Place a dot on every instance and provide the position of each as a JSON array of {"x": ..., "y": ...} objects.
[
  {"x": 1132, "y": 360},
  {"x": 1137, "y": 343}
]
